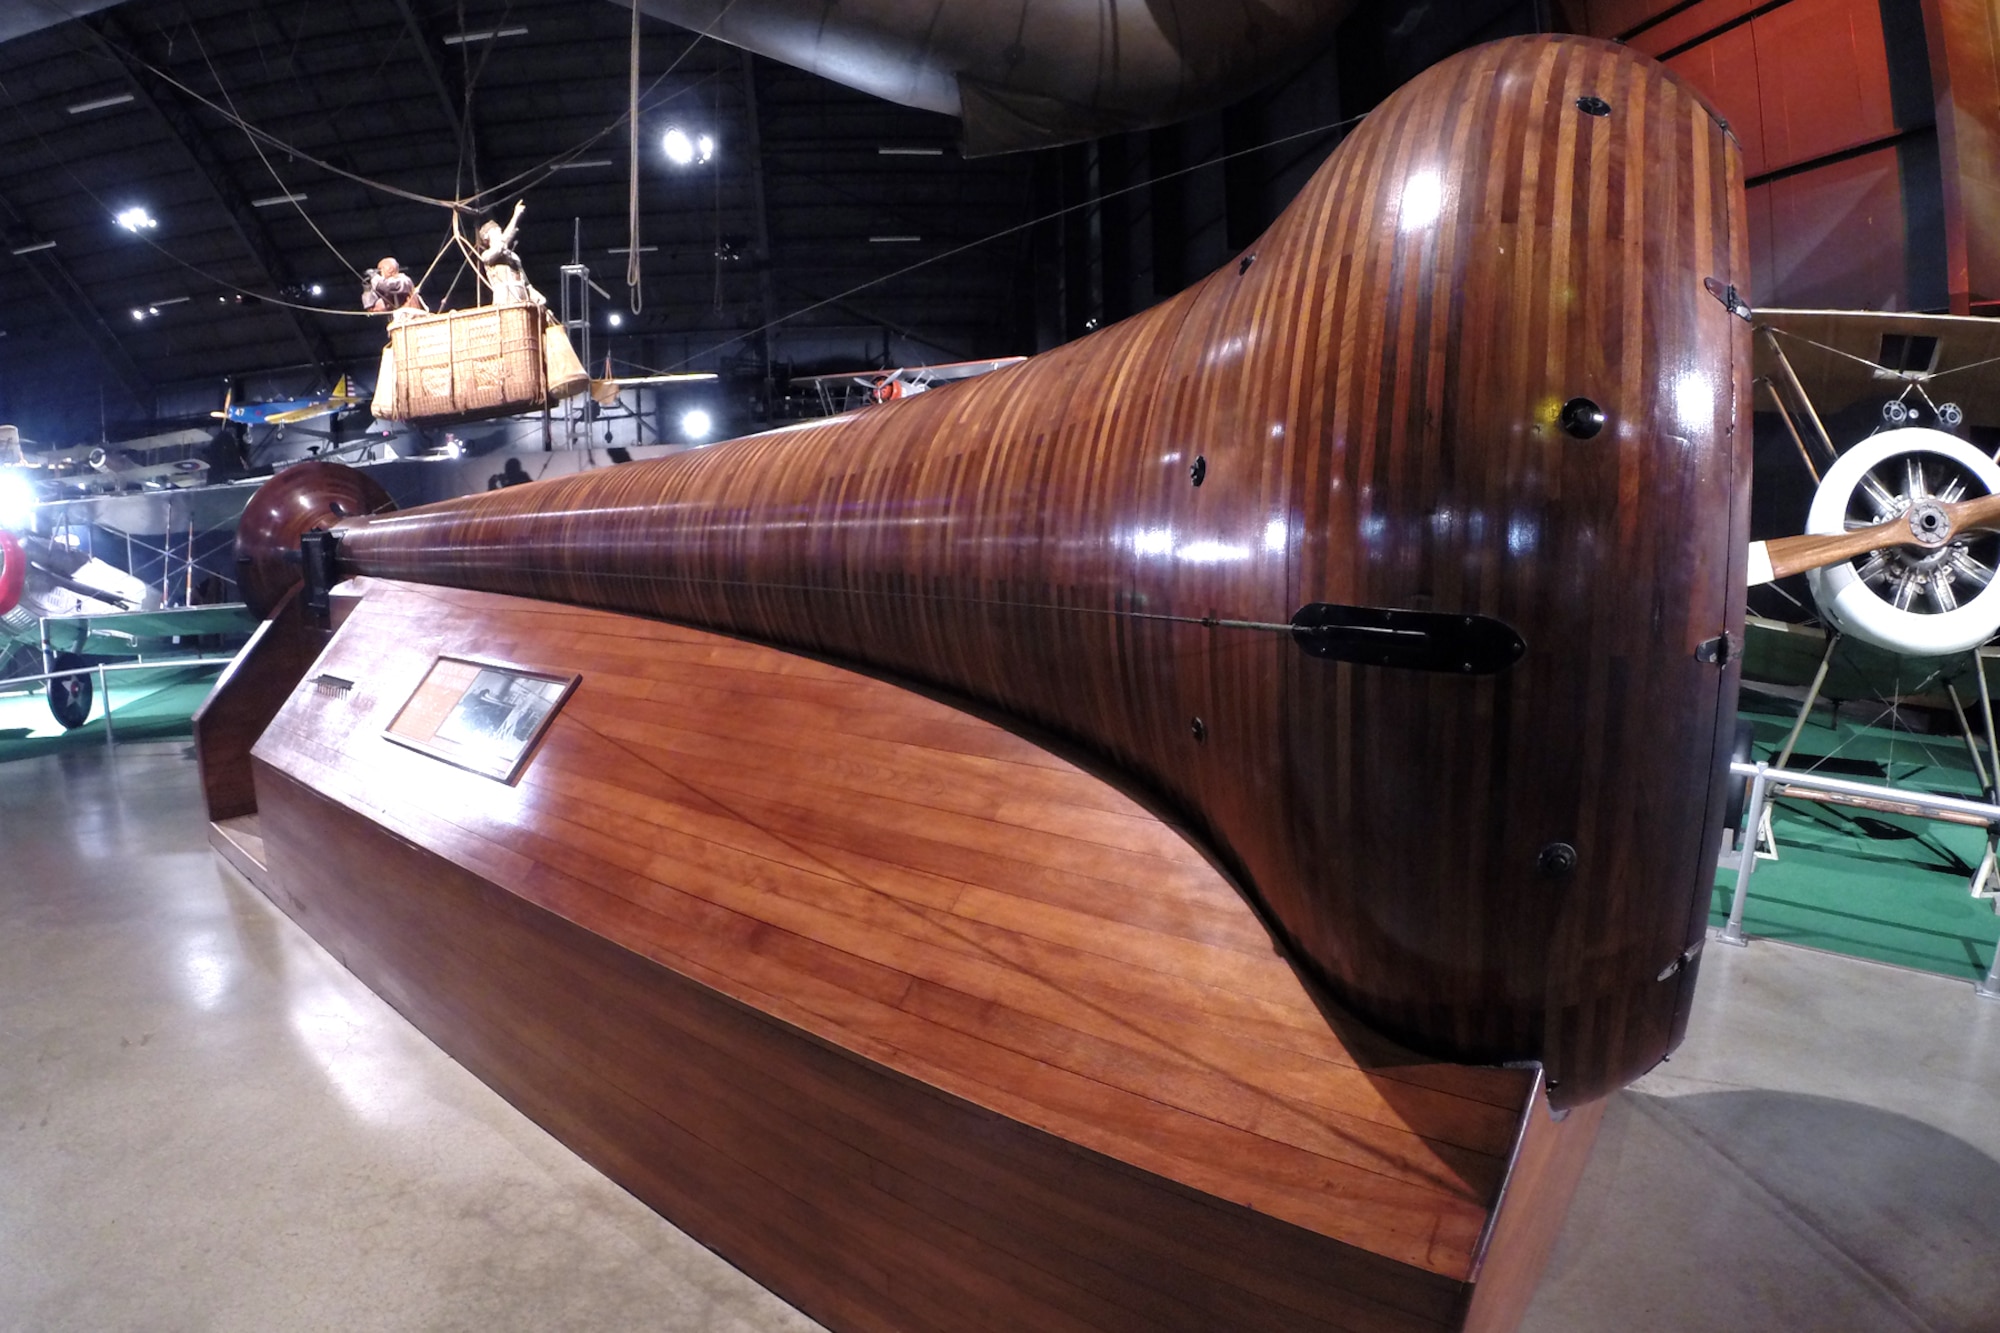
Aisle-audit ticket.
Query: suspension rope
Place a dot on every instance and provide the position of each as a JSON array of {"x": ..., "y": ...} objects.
[
  {"x": 632, "y": 265},
  {"x": 283, "y": 188},
  {"x": 1002, "y": 233}
]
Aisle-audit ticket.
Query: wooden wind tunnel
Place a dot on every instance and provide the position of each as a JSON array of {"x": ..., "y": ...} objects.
[{"x": 1141, "y": 839}]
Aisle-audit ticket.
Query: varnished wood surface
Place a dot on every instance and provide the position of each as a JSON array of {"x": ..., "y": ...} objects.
[
  {"x": 918, "y": 1023},
  {"x": 239, "y": 840},
  {"x": 1547, "y": 1166},
  {"x": 246, "y": 696},
  {"x": 299, "y": 499},
  {"x": 1374, "y": 392}
]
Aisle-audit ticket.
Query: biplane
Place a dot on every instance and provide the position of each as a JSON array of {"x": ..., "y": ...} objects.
[
  {"x": 1901, "y": 540},
  {"x": 848, "y": 390}
]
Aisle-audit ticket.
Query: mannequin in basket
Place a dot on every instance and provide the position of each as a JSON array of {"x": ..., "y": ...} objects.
[
  {"x": 386, "y": 289},
  {"x": 503, "y": 267},
  {"x": 511, "y": 287}
]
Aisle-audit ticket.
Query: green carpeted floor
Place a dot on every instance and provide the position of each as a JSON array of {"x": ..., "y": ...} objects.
[
  {"x": 1873, "y": 886},
  {"x": 146, "y": 705}
]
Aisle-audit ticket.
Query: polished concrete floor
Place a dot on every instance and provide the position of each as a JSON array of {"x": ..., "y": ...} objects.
[{"x": 207, "y": 1124}]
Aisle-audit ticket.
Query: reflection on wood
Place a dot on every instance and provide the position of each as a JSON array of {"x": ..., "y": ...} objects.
[
  {"x": 1368, "y": 409},
  {"x": 918, "y": 1023}
]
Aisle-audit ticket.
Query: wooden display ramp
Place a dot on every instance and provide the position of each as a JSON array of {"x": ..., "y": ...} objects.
[{"x": 921, "y": 1025}]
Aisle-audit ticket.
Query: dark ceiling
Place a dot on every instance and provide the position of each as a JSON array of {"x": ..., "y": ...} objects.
[
  {"x": 376, "y": 89},
  {"x": 792, "y": 250}
]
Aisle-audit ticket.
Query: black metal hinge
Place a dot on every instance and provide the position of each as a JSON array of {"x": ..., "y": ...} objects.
[
  {"x": 1414, "y": 640},
  {"x": 317, "y": 552},
  {"x": 1720, "y": 651},
  {"x": 1731, "y": 299}
]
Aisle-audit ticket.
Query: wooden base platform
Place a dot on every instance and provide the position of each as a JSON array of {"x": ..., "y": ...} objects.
[{"x": 920, "y": 1025}]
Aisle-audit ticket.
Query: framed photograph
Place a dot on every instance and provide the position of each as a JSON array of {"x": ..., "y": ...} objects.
[{"x": 485, "y": 716}]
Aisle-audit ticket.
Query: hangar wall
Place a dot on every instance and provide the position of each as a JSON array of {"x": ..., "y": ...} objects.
[{"x": 1868, "y": 132}]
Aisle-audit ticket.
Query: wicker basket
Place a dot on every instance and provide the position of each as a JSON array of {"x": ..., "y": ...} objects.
[{"x": 483, "y": 362}]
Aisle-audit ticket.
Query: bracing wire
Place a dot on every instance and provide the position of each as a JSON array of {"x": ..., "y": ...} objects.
[
  {"x": 990, "y": 237},
  {"x": 630, "y": 117},
  {"x": 269, "y": 169},
  {"x": 469, "y": 203},
  {"x": 260, "y": 138}
]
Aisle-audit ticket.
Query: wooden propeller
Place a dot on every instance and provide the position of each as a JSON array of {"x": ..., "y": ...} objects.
[{"x": 1929, "y": 524}]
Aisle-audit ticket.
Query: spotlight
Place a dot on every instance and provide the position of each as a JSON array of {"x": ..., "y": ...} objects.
[
  {"x": 696, "y": 425},
  {"x": 17, "y": 501},
  {"x": 616, "y": 319},
  {"x": 136, "y": 219},
  {"x": 685, "y": 150},
  {"x": 316, "y": 291}
]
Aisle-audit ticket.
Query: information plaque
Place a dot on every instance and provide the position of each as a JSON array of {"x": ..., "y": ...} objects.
[{"x": 483, "y": 716}]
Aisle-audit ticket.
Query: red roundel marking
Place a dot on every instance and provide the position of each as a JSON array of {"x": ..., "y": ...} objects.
[{"x": 13, "y": 571}]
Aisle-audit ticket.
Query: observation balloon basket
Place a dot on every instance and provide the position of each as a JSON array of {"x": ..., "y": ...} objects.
[{"x": 467, "y": 365}]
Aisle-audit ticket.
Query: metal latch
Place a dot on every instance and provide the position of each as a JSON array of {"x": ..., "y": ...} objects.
[
  {"x": 1415, "y": 640},
  {"x": 1719, "y": 651}
]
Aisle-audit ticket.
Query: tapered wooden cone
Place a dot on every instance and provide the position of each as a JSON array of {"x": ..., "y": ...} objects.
[{"x": 1375, "y": 406}]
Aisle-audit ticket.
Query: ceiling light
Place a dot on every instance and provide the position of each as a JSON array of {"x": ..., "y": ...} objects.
[
  {"x": 272, "y": 201},
  {"x": 317, "y": 290},
  {"x": 616, "y": 319},
  {"x": 893, "y": 240},
  {"x": 33, "y": 246},
  {"x": 696, "y": 425},
  {"x": 136, "y": 220},
  {"x": 685, "y": 150},
  {"x": 138, "y": 313},
  {"x": 580, "y": 164},
  {"x": 485, "y": 35},
  {"x": 117, "y": 99},
  {"x": 887, "y": 151}
]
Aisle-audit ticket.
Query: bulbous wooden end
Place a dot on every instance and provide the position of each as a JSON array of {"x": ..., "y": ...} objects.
[{"x": 285, "y": 509}]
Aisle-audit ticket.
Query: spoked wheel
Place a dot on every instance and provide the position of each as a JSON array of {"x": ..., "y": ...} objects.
[
  {"x": 1924, "y": 600},
  {"x": 69, "y": 696}
]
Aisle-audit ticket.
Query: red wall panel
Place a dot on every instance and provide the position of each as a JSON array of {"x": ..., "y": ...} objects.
[
  {"x": 1823, "y": 78},
  {"x": 1838, "y": 237},
  {"x": 1610, "y": 18},
  {"x": 1689, "y": 24},
  {"x": 1762, "y": 280},
  {"x": 1807, "y": 79}
]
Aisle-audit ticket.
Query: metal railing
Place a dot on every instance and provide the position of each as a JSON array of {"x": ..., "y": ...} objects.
[
  {"x": 103, "y": 672},
  {"x": 1767, "y": 782}
]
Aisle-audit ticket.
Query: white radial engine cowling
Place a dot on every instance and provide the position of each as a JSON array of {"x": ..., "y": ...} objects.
[{"x": 1949, "y": 602}]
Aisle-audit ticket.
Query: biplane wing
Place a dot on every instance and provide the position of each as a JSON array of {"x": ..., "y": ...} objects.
[
  {"x": 1843, "y": 357},
  {"x": 927, "y": 375}
]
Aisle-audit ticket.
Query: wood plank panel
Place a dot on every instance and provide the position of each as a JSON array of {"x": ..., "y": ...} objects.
[
  {"x": 893, "y": 1104},
  {"x": 246, "y": 696},
  {"x": 1373, "y": 391}
]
